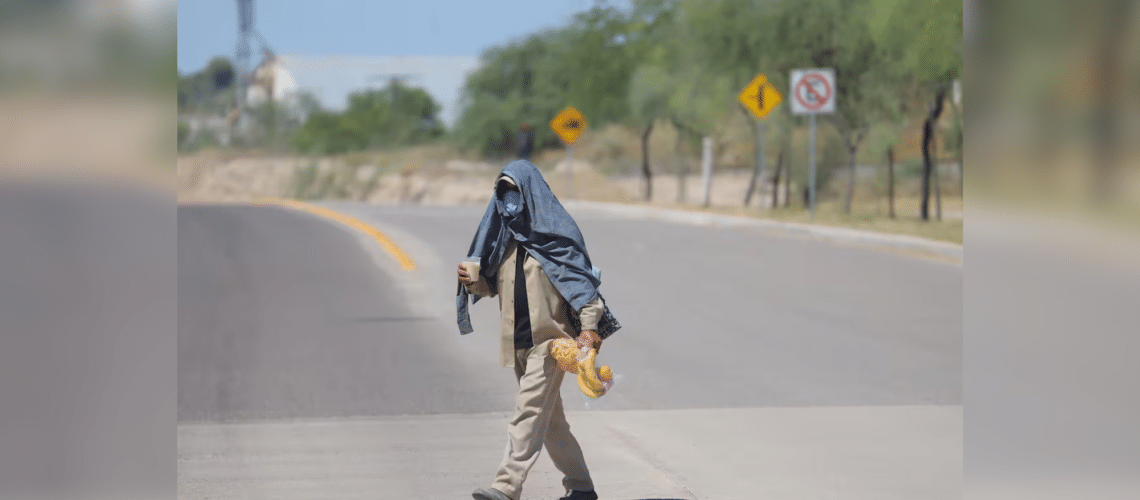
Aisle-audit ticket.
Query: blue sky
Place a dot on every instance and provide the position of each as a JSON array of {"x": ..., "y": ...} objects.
[
  {"x": 207, "y": 28},
  {"x": 335, "y": 47}
]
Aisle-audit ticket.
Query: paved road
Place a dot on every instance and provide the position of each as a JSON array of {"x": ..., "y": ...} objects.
[
  {"x": 87, "y": 340},
  {"x": 285, "y": 316}
]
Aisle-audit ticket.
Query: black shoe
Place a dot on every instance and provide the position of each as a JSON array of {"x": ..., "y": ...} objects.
[
  {"x": 580, "y": 495},
  {"x": 490, "y": 494}
]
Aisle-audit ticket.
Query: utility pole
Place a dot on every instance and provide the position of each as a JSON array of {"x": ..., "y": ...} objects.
[{"x": 245, "y": 20}]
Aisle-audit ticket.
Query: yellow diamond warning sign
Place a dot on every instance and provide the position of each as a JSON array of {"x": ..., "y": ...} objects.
[
  {"x": 760, "y": 97},
  {"x": 569, "y": 124}
]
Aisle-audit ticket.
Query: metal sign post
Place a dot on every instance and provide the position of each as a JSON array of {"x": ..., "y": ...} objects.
[
  {"x": 570, "y": 170},
  {"x": 760, "y": 97},
  {"x": 760, "y": 162},
  {"x": 814, "y": 92},
  {"x": 811, "y": 161},
  {"x": 706, "y": 168}
]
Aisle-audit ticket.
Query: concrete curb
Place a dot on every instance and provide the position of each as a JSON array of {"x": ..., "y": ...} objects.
[{"x": 836, "y": 234}]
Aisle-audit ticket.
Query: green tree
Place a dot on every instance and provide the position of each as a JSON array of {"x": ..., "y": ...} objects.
[
  {"x": 648, "y": 37},
  {"x": 700, "y": 101},
  {"x": 210, "y": 89},
  {"x": 734, "y": 38},
  {"x": 378, "y": 118},
  {"x": 601, "y": 64},
  {"x": 586, "y": 64},
  {"x": 648, "y": 102},
  {"x": 183, "y": 132},
  {"x": 220, "y": 73},
  {"x": 328, "y": 133},
  {"x": 525, "y": 81},
  {"x": 925, "y": 39},
  {"x": 833, "y": 34}
]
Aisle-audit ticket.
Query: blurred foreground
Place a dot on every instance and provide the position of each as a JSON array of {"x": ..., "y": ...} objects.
[
  {"x": 87, "y": 297},
  {"x": 1050, "y": 297},
  {"x": 1054, "y": 249}
]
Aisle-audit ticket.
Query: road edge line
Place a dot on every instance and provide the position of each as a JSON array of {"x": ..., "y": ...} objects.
[{"x": 402, "y": 258}]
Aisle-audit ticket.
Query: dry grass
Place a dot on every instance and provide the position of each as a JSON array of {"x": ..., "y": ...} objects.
[
  {"x": 426, "y": 159},
  {"x": 590, "y": 185},
  {"x": 121, "y": 138}
]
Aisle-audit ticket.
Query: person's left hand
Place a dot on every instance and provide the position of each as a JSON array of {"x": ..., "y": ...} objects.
[
  {"x": 590, "y": 338},
  {"x": 464, "y": 276}
]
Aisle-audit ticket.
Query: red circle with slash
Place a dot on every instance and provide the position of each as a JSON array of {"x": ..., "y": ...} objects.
[{"x": 805, "y": 86}]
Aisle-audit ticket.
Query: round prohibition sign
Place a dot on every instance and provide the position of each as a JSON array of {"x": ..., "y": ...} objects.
[{"x": 807, "y": 86}]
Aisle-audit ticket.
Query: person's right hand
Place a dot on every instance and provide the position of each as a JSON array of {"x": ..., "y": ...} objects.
[
  {"x": 590, "y": 338},
  {"x": 464, "y": 276}
]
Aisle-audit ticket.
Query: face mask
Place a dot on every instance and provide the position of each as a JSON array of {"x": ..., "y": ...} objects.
[
  {"x": 512, "y": 200},
  {"x": 510, "y": 197}
]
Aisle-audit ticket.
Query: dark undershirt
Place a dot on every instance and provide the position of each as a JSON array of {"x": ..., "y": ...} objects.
[{"x": 523, "y": 337}]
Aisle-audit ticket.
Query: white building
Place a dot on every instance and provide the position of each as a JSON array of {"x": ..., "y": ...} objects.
[
  {"x": 271, "y": 80},
  {"x": 331, "y": 79}
]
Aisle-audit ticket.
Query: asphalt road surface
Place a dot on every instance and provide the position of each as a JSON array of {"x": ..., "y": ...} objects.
[
  {"x": 87, "y": 340},
  {"x": 737, "y": 347},
  {"x": 285, "y": 315}
]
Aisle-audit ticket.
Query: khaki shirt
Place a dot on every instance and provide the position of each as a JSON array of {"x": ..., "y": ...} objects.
[{"x": 548, "y": 309}]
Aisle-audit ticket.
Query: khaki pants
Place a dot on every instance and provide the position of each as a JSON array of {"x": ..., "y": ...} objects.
[{"x": 539, "y": 420}]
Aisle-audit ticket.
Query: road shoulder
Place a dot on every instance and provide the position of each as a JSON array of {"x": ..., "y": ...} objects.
[
  {"x": 881, "y": 453},
  {"x": 904, "y": 244}
]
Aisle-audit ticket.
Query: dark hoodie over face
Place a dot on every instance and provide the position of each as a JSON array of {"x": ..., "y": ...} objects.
[{"x": 533, "y": 216}]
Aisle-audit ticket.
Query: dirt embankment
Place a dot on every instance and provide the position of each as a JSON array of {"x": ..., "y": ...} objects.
[
  {"x": 215, "y": 177},
  {"x": 87, "y": 137}
]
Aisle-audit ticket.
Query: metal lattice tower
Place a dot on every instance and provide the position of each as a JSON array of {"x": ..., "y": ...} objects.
[{"x": 242, "y": 60}]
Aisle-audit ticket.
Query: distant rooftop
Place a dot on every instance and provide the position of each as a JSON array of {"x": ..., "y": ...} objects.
[{"x": 332, "y": 78}]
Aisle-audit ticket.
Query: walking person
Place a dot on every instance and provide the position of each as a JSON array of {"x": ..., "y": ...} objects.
[
  {"x": 529, "y": 252},
  {"x": 525, "y": 141}
]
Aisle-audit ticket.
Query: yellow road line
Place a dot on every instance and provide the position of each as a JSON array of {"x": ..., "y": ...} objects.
[{"x": 390, "y": 246}]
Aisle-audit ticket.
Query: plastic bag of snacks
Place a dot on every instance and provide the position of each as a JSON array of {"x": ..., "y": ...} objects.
[{"x": 594, "y": 381}]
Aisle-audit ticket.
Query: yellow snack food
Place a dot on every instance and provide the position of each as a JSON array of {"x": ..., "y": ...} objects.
[
  {"x": 588, "y": 375},
  {"x": 587, "y": 390},
  {"x": 592, "y": 381},
  {"x": 565, "y": 352}
]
